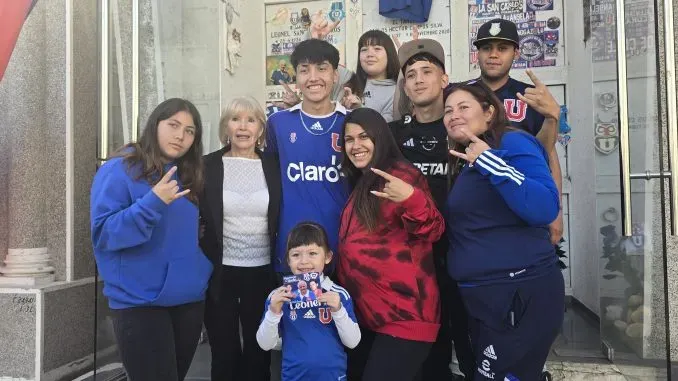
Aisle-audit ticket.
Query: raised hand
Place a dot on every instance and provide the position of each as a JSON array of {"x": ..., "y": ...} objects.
[
  {"x": 474, "y": 148},
  {"x": 540, "y": 98},
  {"x": 320, "y": 27},
  {"x": 395, "y": 189},
  {"x": 290, "y": 98},
  {"x": 415, "y": 36},
  {"x": 167, "y": 189},
  {"x": 279, "y": 296},
  {"x": 332, "y": 299},
  {"x": 350, "y": 100}
]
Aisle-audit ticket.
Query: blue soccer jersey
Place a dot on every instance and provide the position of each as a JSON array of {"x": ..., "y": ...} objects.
[
  {"x": 311, "y": 346},
  {"x": 310, "y": 156},
  {"x": 519, "y": 114}
]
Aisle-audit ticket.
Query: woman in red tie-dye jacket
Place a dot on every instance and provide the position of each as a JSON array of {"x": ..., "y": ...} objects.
[{"x": 385, "y": 261}]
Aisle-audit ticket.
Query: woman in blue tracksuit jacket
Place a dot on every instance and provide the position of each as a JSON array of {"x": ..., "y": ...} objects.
[
  {"x": 144, "y": 225},
  {"x": 498, "y": 213}
]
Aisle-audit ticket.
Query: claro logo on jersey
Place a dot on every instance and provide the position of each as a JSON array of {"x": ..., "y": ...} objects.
[{"x": 308, "y": 172}]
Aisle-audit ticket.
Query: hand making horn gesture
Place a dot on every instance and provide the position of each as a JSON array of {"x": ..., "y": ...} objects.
[
  {"x": 395, "y": 189},
  {"x": 540, "y": 98},
  {"x": 167, "y": 189},
  {"x": 473, "y": 150}
]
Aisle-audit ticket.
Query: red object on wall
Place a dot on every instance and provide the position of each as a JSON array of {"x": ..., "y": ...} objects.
[{"x": 13, "y": 13}]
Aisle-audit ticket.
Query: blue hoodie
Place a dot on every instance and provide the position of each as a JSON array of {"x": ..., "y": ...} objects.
[
  {"x": 146, "y": 251},
  {"x": 498, "y": 213}
]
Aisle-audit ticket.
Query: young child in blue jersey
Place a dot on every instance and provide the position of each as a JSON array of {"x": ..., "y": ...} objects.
[
  {"x": 498, "y": 212},
  {"x": 144, "y": 225},
  {"x": 313, "y": 337},
  {"x": 305, "y": 138}
]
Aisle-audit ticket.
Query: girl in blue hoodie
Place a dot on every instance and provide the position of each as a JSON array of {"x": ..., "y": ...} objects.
[{"x": 144, "y": 225}]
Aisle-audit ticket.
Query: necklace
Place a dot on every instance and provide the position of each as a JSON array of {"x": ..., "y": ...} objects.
[{"x": 317, "y": 128}]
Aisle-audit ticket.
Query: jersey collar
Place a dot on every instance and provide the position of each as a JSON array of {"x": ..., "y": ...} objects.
[{"x": 338, "y": 107}]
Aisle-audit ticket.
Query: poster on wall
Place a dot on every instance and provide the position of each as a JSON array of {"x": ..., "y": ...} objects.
[
  {"x": 287, "y": 25},
  {"x": 437, "y": 27},
  {"x": 540, "y": 28},
  {"x": 639, "y": 21}
]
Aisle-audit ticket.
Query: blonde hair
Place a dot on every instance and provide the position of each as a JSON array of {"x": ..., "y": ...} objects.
[{"x": 238, "y": 105}]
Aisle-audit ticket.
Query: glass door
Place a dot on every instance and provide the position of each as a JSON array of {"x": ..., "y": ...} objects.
[
  {"x": 632, "y": 183},
  {"x": 152, "y": 50}
]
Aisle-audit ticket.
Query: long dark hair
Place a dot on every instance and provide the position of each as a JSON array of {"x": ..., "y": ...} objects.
[
  {"x": 386, "y": 154},
  {"x": 498, "y": 124},
  {"x": 147, "y": 155},
  {"x": 374, "y": 37}
]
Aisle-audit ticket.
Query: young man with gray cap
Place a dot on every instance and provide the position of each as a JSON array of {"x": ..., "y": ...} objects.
[
  {"x": 422, "y": 138},
  {"x": 529, "y": 108}
]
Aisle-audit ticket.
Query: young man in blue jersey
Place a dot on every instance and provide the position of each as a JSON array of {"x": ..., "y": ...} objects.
[
  {"x": 422, "y": 138},
  {"x": 529, "y": 108},
  {"x": 305, "y": 138}
]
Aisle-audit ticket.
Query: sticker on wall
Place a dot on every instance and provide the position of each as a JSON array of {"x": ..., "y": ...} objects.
[
  {"x": 538, "y": 23},
  {"x": 531, "y": 48},
  {"x": 232, "y": 35},
  {"x": 553, "y": 23},
  {"x": 540, "y": 5},
  {"x": 606, "y": 137},
  {"x": 607, "y": 101}
]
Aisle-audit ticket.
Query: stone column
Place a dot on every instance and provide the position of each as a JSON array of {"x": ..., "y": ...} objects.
[{"x": 24, "y": 120}]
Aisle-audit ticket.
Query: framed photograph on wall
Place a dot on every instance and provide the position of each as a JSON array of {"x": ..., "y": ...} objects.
[{"x": 289, "y": 23}]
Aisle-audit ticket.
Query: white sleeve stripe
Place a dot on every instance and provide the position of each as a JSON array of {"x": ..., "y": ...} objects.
[
  {"x": 340, "y": 290},
  {"x": 495, "y": 172},
  {"x": 498, "y": 163}
]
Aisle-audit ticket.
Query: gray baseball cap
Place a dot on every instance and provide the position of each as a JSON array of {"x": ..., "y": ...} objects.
[{"x": 423, "y": 45}]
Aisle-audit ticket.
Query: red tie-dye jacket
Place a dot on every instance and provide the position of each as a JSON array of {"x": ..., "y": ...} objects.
[{"x": 390, "y": 272}]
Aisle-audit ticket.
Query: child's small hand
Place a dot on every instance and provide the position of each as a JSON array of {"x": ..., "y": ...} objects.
[
  {"x": 332, "y": 299},
  {"x": 280, "y": 296}
]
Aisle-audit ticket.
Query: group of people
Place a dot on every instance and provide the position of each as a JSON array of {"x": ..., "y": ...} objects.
[{"x": 431, "y": 230}]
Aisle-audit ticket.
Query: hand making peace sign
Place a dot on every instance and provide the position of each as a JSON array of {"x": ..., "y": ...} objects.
[
  {"x": 395, "y": 189},
  {"x": 350, "y": 100},
  {"x": 540, "y": 98},
  {"x": 168, "y": 190},
  {"x": 290, "y": 98},
  {"x": 474, "y": 148}
]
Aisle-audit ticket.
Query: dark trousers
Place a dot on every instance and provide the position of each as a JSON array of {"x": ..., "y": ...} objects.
[
  {"x": 383, "y": 357},
  {"x": 158, "y": 343},
  {"x": 513, "y": 325},
  {"x": 241, "y": 303},
  {"x": 395, "y": 359},
  {"x": 453, "y": 328}
]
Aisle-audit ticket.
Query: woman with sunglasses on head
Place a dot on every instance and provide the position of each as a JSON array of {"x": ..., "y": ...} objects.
[{"x": 498, "y": 212}]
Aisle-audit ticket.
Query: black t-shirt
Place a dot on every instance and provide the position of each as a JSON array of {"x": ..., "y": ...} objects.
[{"x": 425, "y": 146}]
